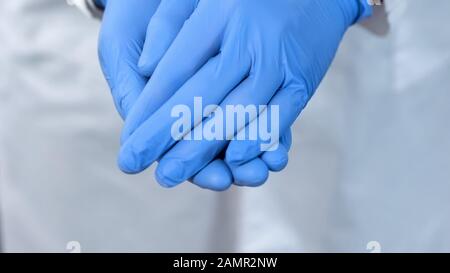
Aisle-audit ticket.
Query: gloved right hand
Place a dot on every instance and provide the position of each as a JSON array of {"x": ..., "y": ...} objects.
[
  {"x": 122, "y": 37},
  {"x": 162, "y": 31},
  {"x": 249, "y": 52}
]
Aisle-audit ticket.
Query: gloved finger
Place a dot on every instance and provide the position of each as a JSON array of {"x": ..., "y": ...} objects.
[
  {"x": 251, "y": 174},
  {"x": 121, "y": 40},
  {"x": 286, "y": 139},
  {"x": 191, "y": 156},
  {"x": 198, "y": 41},
  {"x": 120, "y": 43},
  {"x": 254, "y": 174},
  {"x": 277, "y": 160},
  {"x": 289, "y": 101},
  {"x": 164, "y": 26},
  {"x": 155, "y": 136},
  {"x": 256, "y": 171},
  {"x": 216, "y": 176}
]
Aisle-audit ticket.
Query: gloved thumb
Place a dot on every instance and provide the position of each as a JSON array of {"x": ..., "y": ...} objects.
[{"x": 121, "y": 39}]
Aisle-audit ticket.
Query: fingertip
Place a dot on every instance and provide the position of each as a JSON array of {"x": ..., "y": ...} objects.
[
  {"x": 216, "y": 176},
  {"x": 127, "y": 162},
  {"x": 161, "y": 32},
  {"x": 276, "y": 160},
  {"x": 170, "y": 173},
  {"x": 164, "y": 181},
  {"x": 147, "y": 62},
  {"x": 252, "y": 174}
]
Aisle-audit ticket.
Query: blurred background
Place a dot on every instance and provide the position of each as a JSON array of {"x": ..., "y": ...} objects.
[{"x": 370, "y": 160}]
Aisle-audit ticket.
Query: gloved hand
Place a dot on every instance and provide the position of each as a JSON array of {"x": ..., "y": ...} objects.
[
  {"x": 163, "y": 29},
  {"x": 233, "y": 52},
  {"x": 121, "y": 40}
]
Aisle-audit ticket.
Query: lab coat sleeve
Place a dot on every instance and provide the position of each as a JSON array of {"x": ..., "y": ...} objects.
[{"x": 88, "y": 7}]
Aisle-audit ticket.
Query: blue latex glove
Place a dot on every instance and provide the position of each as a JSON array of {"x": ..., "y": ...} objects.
[
  {"x": 122, "y": 37},
  {"x": 163, "y": 29},
  {"x": 120, "y": 44},
  {"x": 250, "y": 52},
  {"x": 119, "y": 50},
  {"x": 121, "y": 41}
]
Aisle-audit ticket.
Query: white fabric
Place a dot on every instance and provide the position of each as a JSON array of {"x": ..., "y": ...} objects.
[
  {"x": 370, "y": 160},
  {"x": 87, "y": 7}
]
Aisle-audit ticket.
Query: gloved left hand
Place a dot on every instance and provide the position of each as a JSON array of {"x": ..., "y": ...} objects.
[
  {"x": 121, "y": 40},
  {"x": 247, "y": 51},
  {"x": 126, "y": 30},
  {"x": 122, "y": 37}
]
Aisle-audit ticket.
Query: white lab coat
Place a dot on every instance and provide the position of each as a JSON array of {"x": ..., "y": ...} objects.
[{"x": 370, "y": 160}]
